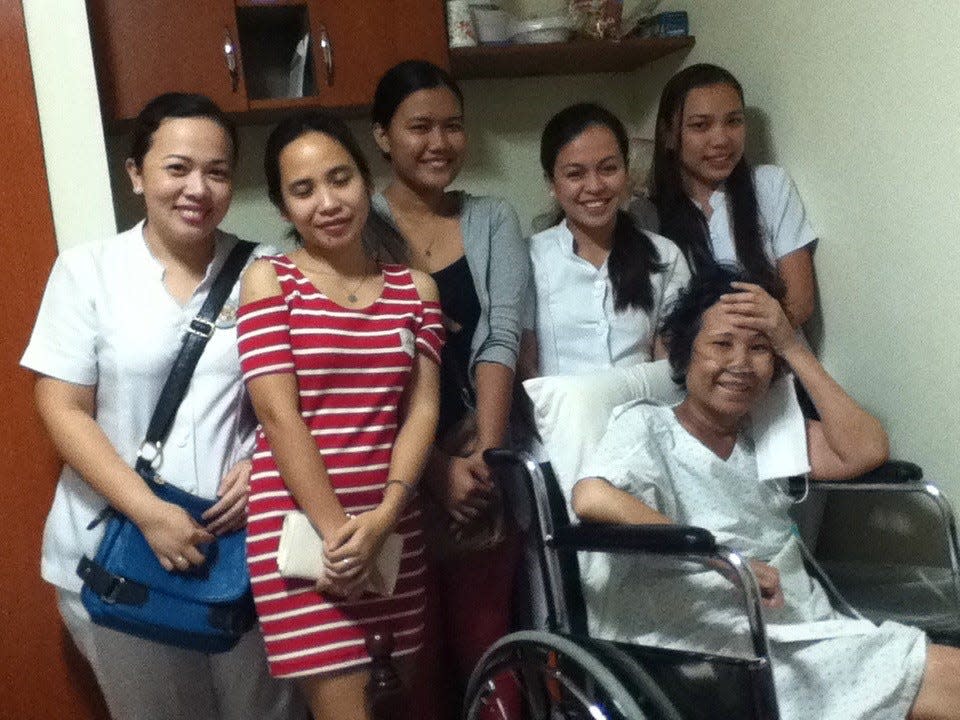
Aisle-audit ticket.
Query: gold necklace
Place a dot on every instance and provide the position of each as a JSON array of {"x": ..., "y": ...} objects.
[{"x": 351, "y": 292}]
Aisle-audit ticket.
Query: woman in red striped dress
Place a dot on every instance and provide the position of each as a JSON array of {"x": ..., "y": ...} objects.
[{"x": 340, "y": 356}]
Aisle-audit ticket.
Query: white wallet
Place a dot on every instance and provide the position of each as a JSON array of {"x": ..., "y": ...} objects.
[{"x": 300, "y": 555}]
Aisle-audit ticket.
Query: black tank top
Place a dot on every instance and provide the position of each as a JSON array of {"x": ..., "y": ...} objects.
[{"x": 459, "y": 301}]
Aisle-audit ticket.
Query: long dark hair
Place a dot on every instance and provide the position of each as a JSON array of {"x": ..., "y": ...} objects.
[
  {"x": 633, "y": 256},
  {"x": 680, "y": 219}
]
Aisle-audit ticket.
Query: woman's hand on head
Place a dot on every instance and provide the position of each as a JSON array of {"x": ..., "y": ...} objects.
[
  {"x": 174, "y": 536},
  {"x": 230, "y": 511},
  {"x": 753, "y": 307}
]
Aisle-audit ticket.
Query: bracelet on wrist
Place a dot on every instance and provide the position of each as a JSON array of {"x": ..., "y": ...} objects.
[{"x": 408, "y": 487}]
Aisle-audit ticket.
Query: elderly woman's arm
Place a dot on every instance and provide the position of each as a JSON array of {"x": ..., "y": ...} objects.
[
  {"x": 848, "y": 440},
  {"x": 596, "y": 500}
]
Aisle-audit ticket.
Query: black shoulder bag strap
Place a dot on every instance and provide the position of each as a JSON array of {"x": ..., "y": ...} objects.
[
  {"x": 96, "y": 577},
  {"x": 194, "y": 341}
]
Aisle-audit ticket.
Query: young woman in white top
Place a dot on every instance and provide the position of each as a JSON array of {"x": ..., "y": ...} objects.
[
  {"x": 717, "y": 207},
  {"x": 110, "y": 325},
  {"x": 602, "y": 285}
]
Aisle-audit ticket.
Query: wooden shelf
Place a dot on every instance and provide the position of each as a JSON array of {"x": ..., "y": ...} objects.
[
  {"x": 269, "y": 111},
  {"x": 286, "y": 103},
  {"x": 575, "y": 57},
  {"x": 270, "y": 3}
]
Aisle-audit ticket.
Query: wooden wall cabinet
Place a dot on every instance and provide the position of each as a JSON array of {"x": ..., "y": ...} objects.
[
  {"x": 370, "y": 36},
  {"x": 147, "y": 47},
  {"x": 240, "y": 52}
]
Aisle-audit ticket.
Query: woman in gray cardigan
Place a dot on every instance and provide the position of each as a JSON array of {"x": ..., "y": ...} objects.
[{"x": 473, "y": 248}]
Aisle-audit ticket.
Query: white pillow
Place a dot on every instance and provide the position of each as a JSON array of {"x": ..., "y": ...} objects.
[{"x": 572, "y": 411}]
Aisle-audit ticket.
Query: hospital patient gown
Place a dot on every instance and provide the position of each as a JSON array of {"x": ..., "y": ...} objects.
[{"x": 825, "y": 665}]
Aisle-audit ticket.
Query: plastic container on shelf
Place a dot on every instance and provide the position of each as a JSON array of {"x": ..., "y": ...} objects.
[
  {"x": 494, "y": 25},
  {"x": 543, "y": 30},
  {"x": 665, "y": 24},
  {"x": 460, "y": 27}
]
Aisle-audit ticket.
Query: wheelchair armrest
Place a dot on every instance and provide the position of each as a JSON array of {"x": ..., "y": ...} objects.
[
  {"x": 676, "y": 541},
  {"x": 892, "y": 471},
  {"x": 659, "y": 539},
  {"x": 893, "y": 474}
]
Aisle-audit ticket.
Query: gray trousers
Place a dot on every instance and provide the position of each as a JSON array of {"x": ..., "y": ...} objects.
[{"x": 144, "y": 680}]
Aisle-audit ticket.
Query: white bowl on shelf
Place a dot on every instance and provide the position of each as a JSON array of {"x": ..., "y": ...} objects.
[{"x": 542, "y": 30}]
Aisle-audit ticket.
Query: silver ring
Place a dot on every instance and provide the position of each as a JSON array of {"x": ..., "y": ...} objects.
[{"x": 181, "y": 560}]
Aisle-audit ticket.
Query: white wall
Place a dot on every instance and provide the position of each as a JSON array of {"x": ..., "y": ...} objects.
[
  {"x": 861, "y": 104},
  {"x": 70, "y": 126}
]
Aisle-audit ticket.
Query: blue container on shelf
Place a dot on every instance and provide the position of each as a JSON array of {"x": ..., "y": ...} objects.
[
  {"x": 671, "y": 24},
  {"x": 666, "y": 24}
]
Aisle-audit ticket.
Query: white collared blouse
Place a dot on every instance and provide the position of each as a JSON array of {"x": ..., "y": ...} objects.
[
  {"x": 107, "y": 320},
  {"x": 576, "y": 325},
  {"x": 783, "y": 219}
]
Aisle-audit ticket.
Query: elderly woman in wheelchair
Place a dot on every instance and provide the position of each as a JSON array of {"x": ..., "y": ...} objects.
[{"x": 693, "y": 464}]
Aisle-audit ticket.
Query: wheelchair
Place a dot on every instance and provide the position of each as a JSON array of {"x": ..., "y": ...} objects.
[
  {"x": 887, "y": 541},
  {"x": 561, "y": 673}
]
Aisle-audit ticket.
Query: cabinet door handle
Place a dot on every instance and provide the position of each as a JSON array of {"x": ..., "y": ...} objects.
[
  {"x": 326, "y": 46},
  {"x": 230, "y": 56}
]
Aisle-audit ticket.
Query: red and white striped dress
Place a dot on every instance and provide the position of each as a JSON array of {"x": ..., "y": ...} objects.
[{"x": 352, "y": 367}]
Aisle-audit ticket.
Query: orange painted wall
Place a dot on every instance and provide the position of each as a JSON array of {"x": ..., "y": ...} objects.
[{"x": 41, "y": 675}]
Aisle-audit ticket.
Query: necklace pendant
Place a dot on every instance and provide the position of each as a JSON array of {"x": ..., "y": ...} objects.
[{"x": 351, "y": 298}]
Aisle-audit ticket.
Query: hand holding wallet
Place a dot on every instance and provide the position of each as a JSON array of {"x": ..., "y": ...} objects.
[{"x": 300, "y": 555}]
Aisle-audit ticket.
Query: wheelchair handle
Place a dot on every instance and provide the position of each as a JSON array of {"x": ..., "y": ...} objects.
[
  {"x": 604, "y": 537},
  {"x": 499, "y": 457}
]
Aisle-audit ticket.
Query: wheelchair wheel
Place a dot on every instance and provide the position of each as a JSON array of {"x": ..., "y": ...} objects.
[{"x": 533, "y": 675}]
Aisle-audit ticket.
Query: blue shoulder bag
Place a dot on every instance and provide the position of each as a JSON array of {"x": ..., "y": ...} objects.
[{"x": 206, "y": 608}]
